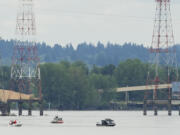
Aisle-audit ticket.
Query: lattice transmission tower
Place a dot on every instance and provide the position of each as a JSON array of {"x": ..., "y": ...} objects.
[
  {"x": 25, "y": 70},
  {"x": 162, "y": 53}
]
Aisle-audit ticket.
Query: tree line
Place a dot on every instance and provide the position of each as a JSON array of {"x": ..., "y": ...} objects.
[
  {"x": 75, "y": 86},
  {"x": 98, "y": 54}
]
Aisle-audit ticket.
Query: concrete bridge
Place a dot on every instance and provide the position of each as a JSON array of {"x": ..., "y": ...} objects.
[
  {"x": 154, "y": 102},
  {"x": 9, "y": 95},
  {"x": 144, "y": 88}
]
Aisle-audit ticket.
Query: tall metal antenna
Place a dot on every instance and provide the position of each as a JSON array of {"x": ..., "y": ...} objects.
[
  {"x": 25, "y": 69},
  {"x": 162, "y": 51}
]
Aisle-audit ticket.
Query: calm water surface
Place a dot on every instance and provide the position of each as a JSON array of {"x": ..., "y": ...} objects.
[{"x": 84, "y": 123}]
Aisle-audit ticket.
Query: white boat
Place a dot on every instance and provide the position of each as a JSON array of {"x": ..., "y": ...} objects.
[
  {"x": 15, "y": 123},
  {"x": 106, "y": 122},
  {"x": 57, "y": 120}
]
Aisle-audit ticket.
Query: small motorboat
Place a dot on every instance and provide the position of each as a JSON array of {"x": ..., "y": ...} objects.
[
  {"x": 106, "y": 122},
  {"x": 57, "y": 120},
  {"x": 15, "y": 123}
]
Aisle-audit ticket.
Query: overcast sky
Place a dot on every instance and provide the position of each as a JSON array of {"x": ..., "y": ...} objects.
[{"x": 76, "y": 21}]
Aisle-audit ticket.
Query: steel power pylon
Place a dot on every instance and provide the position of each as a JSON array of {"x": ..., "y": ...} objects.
[
  {"x": 162, "y": 53},
  {"x": 25, "y": 70}
]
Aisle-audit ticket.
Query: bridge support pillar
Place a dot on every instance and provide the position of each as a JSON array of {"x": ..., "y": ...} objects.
[
  {"x": 169, "y": 108},
  {"x": 145, "y": 108},
  {"x": 30, "y": 109},
  {"x": 8, "y": 108},
  {"x": 155, "y": 108},
  {"x": 41, "y": 108},
  {"x": 4, "y": 110},
  {"x": 127, "y": 97},
  {"x": 155, "y": 111},
  {"x": 179, "y": 110},
  {"x": 20, "y": 108}
]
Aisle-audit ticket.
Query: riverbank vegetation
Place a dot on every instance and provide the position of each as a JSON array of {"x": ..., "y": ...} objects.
[{"x": 75, "y": 86}]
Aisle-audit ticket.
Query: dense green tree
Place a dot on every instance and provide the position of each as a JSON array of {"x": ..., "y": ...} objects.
[
  {"x": 131, "y": 73},
  {"x": 66, "y": 85}
]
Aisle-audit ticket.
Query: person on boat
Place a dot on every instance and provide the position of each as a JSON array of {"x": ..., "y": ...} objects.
[
  {"x": 56, "y": 117},
  {"x": 12, "y": 122},
  {"x": 15, "y": 122}
]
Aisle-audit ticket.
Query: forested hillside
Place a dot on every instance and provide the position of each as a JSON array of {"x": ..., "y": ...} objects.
[{"x": 90, "y": 54}]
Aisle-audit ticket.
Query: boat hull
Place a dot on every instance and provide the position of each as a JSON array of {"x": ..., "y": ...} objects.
[
  {"x": 100, "y": 125},
  {"x": 57, "y": 122}
]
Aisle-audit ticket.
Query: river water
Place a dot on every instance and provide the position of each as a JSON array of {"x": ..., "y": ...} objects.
[{"x": 84, "y": 123}]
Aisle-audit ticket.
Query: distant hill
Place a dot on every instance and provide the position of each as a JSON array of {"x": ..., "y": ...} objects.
[{"x": 99, "y": 54}]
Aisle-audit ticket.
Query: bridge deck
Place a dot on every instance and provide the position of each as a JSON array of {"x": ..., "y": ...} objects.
[
  {"x": 143, "y": 88},
  {"x": 6, "y": 95}
]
